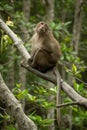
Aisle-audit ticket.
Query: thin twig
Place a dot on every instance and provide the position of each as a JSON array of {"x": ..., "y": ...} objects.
[{"x": 67, "y": 104}]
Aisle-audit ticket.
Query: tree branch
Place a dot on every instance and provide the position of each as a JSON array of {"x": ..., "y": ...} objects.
[
  {"x": 15, "y": 108},
  {"x": 67, "y": 104},
  {"x": 50, "y": 77},
  {"x": 17, "y": 42}
]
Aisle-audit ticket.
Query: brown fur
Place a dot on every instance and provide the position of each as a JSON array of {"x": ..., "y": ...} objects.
[{"x": 45, "y": 49}]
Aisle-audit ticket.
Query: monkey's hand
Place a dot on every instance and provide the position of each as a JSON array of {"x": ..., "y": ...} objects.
[{"x": 30, "y": 60}]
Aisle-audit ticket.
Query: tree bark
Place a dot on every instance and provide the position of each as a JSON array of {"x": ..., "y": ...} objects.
[
  {"x": 77, "y": 24},
  {"x": 51, "y": 111},
  {"x": 26, "y": 9},
  {"x": 49, "y": 10},
  {"x": 25, "y": 37},
  {"x": 26, "y": 15},
  {"x": 76, "y": 39},
  {"x": 15, "y": 109},
  {"x": 10, "y": 77}
]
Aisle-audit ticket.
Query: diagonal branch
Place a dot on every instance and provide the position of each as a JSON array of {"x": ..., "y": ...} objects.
[
  {"x": 65, "y": 87},
  {"x": 15, "y": 108},
  {"x": 50, "y": 77},
  {"x": 17, "y": 41}
]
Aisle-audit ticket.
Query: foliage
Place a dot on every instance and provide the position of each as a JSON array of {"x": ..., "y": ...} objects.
[
  {"x": 38, "y": 100},
  {"x": 5, "y": 39},
  {"x": 42, "y": 123},
  {"x": 36, "y": 95},
  {"x": 10, "y": 127}
]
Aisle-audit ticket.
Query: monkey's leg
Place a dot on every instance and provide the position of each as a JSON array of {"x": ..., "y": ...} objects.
[
  {"x": 32, "y": 59},
  {"x": 40, "y": 60}
]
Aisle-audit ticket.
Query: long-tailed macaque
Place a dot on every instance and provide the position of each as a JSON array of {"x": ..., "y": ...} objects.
[
  {"x": 45, "y": 54},
  {"x": 45, "y": 49}
]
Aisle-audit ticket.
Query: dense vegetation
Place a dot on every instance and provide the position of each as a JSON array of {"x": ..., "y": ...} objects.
[{"x": 67, "y": 19}]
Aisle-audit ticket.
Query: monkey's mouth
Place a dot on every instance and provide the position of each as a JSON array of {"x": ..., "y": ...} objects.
[{"x": 43, "y": 30}]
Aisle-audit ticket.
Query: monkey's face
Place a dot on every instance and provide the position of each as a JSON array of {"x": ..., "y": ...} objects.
[{"x": 42, "y": 28}]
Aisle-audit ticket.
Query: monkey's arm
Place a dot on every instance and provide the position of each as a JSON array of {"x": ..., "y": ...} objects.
[{"x": 32, "y": 59}]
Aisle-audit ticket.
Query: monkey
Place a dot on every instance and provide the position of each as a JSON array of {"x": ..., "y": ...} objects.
[
  {"x": 46, "y": 50},
  {"x": 45, "y": 55}
]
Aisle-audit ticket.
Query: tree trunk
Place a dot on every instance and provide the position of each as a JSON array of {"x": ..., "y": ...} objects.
[
  {"x": 26, "y": 15},
  {"x": 77, "y": 25},
  {"x": 10, "y": 73},
  {"x": 49, "y": 4},
  {"x": 75, "y": 42},
  {"x": 10, "y": 77},
  {"x": 25, "y": 37},
  {"x": 26, "y": 9},
  {"x": 51, "y": 111},
  {"x": 49, "y": 10}
]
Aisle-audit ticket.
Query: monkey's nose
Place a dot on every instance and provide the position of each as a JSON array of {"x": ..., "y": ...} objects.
[{"x": 42, "y": 29}]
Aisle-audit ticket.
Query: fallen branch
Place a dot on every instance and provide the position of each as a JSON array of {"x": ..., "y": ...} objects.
[{"x": 50, "y": 77}]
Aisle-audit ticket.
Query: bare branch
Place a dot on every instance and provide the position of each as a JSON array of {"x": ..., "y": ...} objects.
[
  {"x": 45, "y": 76},
  {"x": 67, "y": 104}
]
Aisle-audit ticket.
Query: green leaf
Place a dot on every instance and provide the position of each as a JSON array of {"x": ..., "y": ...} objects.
[
  {"x": 74, "y": 69},
  {"x": 10, "y": 127},
  {"x": 30, "y": 97},
  {"x": 22, "y": 94},
  {"x": 18, "y": 85},
  {"x": 7, "y": 39},
  {"x": 53, "y": 90}
]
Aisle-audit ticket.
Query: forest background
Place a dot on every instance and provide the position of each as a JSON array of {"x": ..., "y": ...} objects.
[{"x": 68, "y": 21}]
